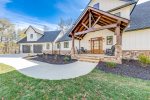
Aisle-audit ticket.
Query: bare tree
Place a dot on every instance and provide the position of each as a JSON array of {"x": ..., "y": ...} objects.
[{"x": 65, "y": 24}]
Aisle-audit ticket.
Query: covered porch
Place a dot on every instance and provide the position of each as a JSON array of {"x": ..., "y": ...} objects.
[{"x": 98, "y": 32}]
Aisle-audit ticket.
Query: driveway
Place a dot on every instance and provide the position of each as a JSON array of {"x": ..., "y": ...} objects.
[{"x": 42, "y": 70}]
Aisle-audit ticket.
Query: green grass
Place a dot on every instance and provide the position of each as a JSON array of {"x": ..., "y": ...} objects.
[{"x": 95, "y": 86}]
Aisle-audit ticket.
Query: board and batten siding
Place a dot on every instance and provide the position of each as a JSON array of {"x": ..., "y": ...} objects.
[
  {"x": 136, "y": 40},
  {"x": 125, "y": 12},
  {"x": 106, "y": 5}
]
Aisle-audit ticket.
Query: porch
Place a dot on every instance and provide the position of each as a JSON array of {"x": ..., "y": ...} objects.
[{"x": 92, "y": 30}]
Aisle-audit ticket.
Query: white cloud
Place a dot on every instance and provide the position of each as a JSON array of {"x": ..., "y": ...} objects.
[
  {"x": 142, "y": 1},
  {"x": 22, "y": 21}
]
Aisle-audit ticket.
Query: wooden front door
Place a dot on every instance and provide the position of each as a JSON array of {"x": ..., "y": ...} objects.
[{"x": 97, "y": 45}]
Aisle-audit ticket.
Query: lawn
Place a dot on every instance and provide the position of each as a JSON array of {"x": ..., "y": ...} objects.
[{"x": 95, "y": 86}]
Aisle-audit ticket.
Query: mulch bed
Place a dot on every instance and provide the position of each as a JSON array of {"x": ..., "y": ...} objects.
[
  {"x": 54, "y": 59},
  {"x": 130, "y": 68}
]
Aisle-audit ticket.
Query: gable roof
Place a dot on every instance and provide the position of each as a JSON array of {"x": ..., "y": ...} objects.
[
  {"x": 48, "y": 36},
  {"x": 140, "y": 17},
  {"x": 35, "y": 30},
  {"x": 65, "y": 37},
  {"x": 105, "y": 19}
]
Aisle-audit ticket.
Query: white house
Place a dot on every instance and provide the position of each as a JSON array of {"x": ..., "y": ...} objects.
[
  {"x": 38, "y": 41},
  {"x": 134, "y": 36},
  {"x": 105, "y": 23}
]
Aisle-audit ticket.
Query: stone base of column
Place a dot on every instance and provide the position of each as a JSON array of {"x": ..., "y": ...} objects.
[{"x": 118, "y": 53}]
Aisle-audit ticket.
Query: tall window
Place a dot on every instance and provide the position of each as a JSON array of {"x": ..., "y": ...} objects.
[
  {"x": 97, "y": 6},
  {"x": 47, "y": 46},
  {"x": 31, "y": 36},
  {"x": 58, "y": 45},
  {"x": 109, "y": 40},
  {"x": 66, "y": 44},
  {"x": 118, "y": 14}
]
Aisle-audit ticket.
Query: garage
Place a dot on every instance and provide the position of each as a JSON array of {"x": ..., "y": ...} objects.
[
  {"x": 37, "y": 48},
  {"x": 26, "y": 48}
]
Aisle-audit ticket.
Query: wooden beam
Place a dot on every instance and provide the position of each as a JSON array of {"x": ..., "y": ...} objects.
[
  {"x": 118, "y": 35},
  {"x": 97, "y": 29},
  {"x": 85, "y": 26},
  {"x": 110, "y": 15},
  {"x": 96, "y": 21},
  {"x": 90, "y": 19},
  {"x": 78, "y": 37}
]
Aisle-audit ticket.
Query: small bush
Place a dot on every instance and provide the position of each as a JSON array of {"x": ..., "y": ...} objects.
[
  {"x": 144, "y": 59},
  {"x": 66, "y": 58},
  {"x": 111, "y": 64}
]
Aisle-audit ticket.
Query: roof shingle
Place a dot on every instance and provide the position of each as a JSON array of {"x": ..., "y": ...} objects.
[
  {"x": 48, "y": 36},
  {"x": 140, "y": 17}
]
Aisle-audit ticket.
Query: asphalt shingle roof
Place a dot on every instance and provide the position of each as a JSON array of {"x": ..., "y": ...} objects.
[
  {"x": 48, "y": 36},
  {"x": 65, "y": 38},
  {"x": 140, "y": 17}
]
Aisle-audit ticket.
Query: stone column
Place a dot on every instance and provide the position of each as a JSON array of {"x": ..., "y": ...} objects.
[
  {"x": 118, "y": 53},
  {"x": 118, "y": 46}
]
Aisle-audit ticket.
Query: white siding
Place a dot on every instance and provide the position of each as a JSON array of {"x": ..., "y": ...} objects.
[
  {"x": 136, "y": 40},
  {"x": 36, "y": 36},
  {"x": 102, "y": 33},
  {"x": 125, "y": 12},
  {"x": 106, "y": 5}
]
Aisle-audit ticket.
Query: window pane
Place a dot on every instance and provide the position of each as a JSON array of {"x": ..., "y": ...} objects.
[
  {"x": 66, "y": 44},
  {"x": 109, "y": 40},
  {"x": 31, "y": 36},
  {"x": 58, "y": 45},
  {"x": 47, "y": 46},
  {"x": 96, "y": 6}
]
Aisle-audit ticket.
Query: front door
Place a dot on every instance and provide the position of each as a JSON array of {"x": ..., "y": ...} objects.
[{"x": 97, "y": 45}]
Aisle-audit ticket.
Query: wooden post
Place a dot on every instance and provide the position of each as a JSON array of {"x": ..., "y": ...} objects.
[
  {"x": 118, "y": 35},
  {"x": 52, "y": 48},
  {"x": 79, "y": 46},
  {"x": 90, "y": 19},
  {"x": 73, "y": 47}
]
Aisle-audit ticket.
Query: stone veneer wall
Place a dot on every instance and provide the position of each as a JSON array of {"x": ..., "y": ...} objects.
[{"x": 133, "y": 54}]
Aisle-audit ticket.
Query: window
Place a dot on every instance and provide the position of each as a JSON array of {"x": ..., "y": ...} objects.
[
  {"x": 66, "y": 44},
  {"x": 31, "y": 36},
  {"x": 109, "y": 40},
  {"x": 118, "y": 14},
  {"x": 47, "y": 46},
  {"x": 58, "y": 45},
  {"x": 96, "y": 6}
]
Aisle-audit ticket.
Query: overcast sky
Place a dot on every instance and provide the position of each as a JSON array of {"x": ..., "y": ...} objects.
[{"x": 41, "y": 12}]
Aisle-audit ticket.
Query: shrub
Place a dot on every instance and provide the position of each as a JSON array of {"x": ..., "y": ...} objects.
[
  {"x": 111, "y": 64},
  {"x": 144, "y": 59},
  {"x": 66, "y": 58}
]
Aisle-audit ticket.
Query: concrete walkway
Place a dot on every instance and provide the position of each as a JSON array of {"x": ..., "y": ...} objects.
[{"x": 42, "y": 70}]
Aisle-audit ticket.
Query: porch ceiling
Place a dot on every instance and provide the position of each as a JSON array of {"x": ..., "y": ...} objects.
[{"x": 91, "y": 17}]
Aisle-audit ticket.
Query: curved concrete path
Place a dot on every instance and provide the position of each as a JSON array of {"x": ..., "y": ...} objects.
[{"x": 42, "y": 70}]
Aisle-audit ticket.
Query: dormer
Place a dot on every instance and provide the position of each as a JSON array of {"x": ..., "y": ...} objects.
[
  {"x": 33, "y": 34},
  {"x": 122, "y": 8}
]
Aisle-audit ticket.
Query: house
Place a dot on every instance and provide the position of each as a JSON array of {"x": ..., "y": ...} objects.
[
  {"x": 107, "y": 23},
  {"x": 104, "y": 24},
  {"x": 38, "y": 41}
]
